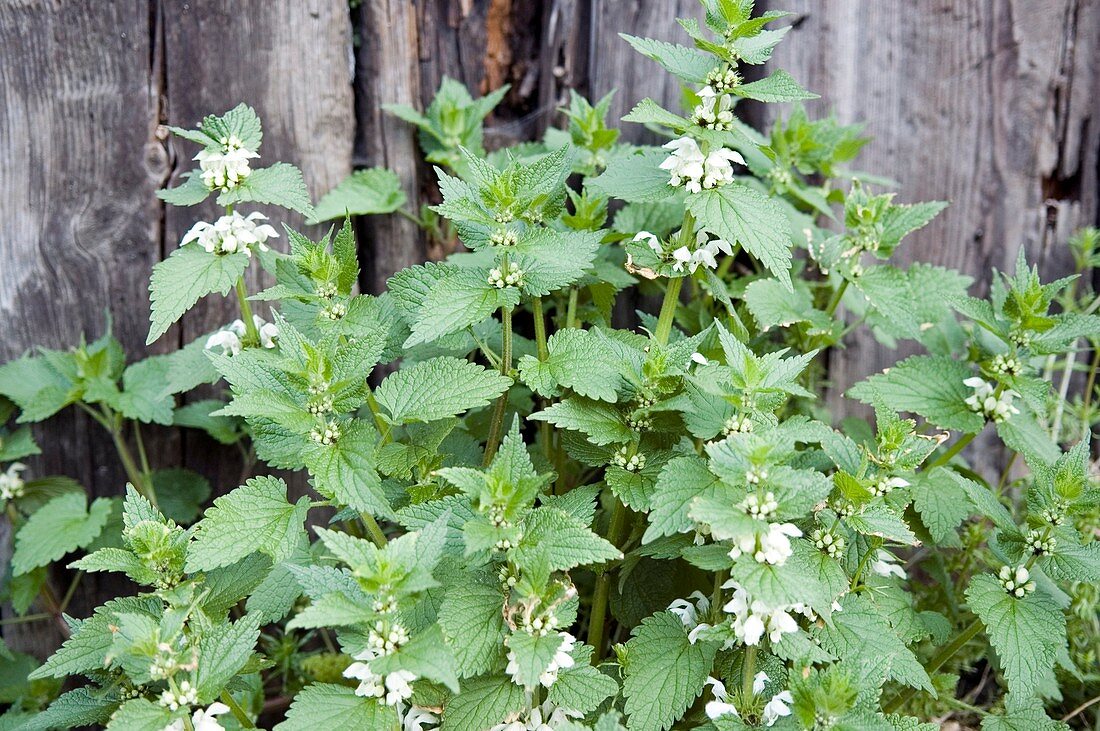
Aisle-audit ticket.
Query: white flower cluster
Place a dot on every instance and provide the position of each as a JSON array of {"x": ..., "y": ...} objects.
[
  {"x": 202, "y": 719},
  {"x": 774, "y": 709},
  {"x": 760, "y": 508},
  {"x": 185, "y": 695},
  {"x": 886, "y": 485},
  {"x": 772, "y": 547},
  {"x": 705, "y": 252},
  {"x": 1006, "y": 365},
  {"x": 1039, "y": 543},
  {"x": 227, "y": 341},
  {"x": 714, "y": 110},
  {"x": 11, "y": 484},
  {"x": 629, "y": 462},
  {"x": 327, "y": 435},
  {"x": 887, "y": 564},
  {"x": 689, "y": 167},
  {"x": 830, "y": 543},
  {"x": 510, "y": 276},
  {"x": 546, "y": 717},
  {"x": 562, "y": 660},
  {"x": 226, "y": 166},
  {"x": 393, "y": 688},
  {"x": 740, "y": 424},
  {"x": 232, "y": 233},
  {"x": 985, "y": 400},
  {"x": 753, "y": 619},
  {"x": 692, "y": 613},
  {"x": 1017, "y": 582}
]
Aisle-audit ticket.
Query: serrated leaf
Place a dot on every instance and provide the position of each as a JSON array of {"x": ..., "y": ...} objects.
[
  {"x": 778, "y": 87},
  {"x": 364, "y": 192},
  {"x": 280, "y": 184},
  {"x": 685, "y": 63},
  {"x": 928, "y": 385},
  {"x": 601, "y": 422},
  {"x": 578, "y": 360},
  {"x": 741, "y": 214},
  {"x": 664, "y": 673},
  {"x": 635, "y": 177},
  {"x": 62, "y": 525},
  {"x": 187, "y": 275},
  {"x": 562, "y": 541},
  {"x": 438, "y": 388},
  {"x": 254, "y": 517},
  {"x": 472, "y": 619},
  {"x": 1026, "y": 633},
  {"x": 336, "y": 708},
  {"x": 483, "y": 703},
  {"x": 224, "y": 650}
]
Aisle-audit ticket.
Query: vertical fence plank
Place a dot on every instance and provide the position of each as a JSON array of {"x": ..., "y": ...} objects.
[
  {"x": 291, "y": 61},
  {"x": 80, "y": 227}
]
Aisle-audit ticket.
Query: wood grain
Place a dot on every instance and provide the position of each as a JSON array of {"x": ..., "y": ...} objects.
[{"x": 990, "y": 105}]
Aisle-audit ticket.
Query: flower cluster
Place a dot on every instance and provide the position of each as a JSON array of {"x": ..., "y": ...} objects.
[
  {"x": 228, "y": 340},
  {"x": 689, "y": 167},
  {"x": 202, "y": 719},
  {"x": 1039, "y": 542},
  {"x": 629, "y": 462},
  {"x": 692, "y": 613},
  {"x": 886, "y": 485},
  {"x": 545, "y": 717},
  {"x": 771, "y": 547},
  {"x": 987, "y": 402},
  {"x": 226, "y": 166},
  {"x": 753, "y": 619},
  {"x": 774, "y": 709},
  {"x": 232, "y": 233},
  {"x": 185, "y": 695},
  {"x": 887, "y": 564},
  {"x": 705, "y": 251},
  {"x": 508, "y": 276},
  {"x": 1017, "y": 582},
  {"x": 715, "y": 109},
  {"x": 11, "y": 484}
]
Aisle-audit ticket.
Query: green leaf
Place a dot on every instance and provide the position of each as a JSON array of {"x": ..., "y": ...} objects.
[
  {"x": 1026, "y": 633},
  {"x": 363, "y": 193},
  {"x": 80, "y": 707},
  {"x": 687, "y": 64},
  {"x": 532, "y": 654},
  {"x": 929, "y": 385},
  {"x": 941, "y": 502},
  {"x": 601, "y": 422},
  {"x": 280, "y": 185},
  {"x": 438, "y": 388},
  {"x": 143, "y": 397},
  {"x": 345, "y": 471},
  {"x": 426, "y": 656},
  {"x": 472, "y": 619},
  {"x": 180, "y": 493},
  {"x": 483, "y": 703},
  {"x": 188, "y": 274},
  {"x": 336, "y": 708},
  {"x": 562, "y": 541},
  {"x": 91, "y": 639},
  {"x": 664, "y": 672},
  {"x": 741, "y": 214},
  {"x": 254, "y": 517},
  {"x": 582, "y": 688},
  {"x": 457, "y": 301},
  {"x": 62, "y": 525},
  {"x": 779, "y": 87},
  {"x": 635, "y": 177},
  {"x": 578, "y": 360},
  {"x": 551, "y": 259},
  {"x": 36, "y": 386},
  {"x": 140, "y": 714},
  {"x": 682, "y": 480},
  {"x": 224, "y": 649},
  {"x": 190, "y": 192}
]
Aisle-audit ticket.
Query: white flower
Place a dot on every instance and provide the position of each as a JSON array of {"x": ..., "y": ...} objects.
[
  {"x": 1017, "y": 582},
  {"x": 269, "y": 333},
  {"x": 718, "y": 168},
  {"x": 720, "y": 706},
  {"x": 202, "y": 719},
  {"x": 11, "y": 484},
  {"x": 692, "y": 614},
  {"x": 232, "y": 233},
  {"x": 226, "y": 166},
  {"x": 681, "y": 257},
  {"x": 685, "y": 164},
  {"x": 185, "y": 695},
  {"x": 772, "y": 547},
  {"x": 652, "y": 241},
  {"x": 985, "y": 400},
  {"x": 777, "y": 707},
  {"x": 886, "y": 564},
  {"x": 886, "y": 485},
  {"x": 397, "y": 686},
  {"x": 714, "y": 110},
  {"x": 547, "y": 717},
  {"x": 225, "y": 341},
  {"x": 758, "y": 682},
  {"x": 370, "y": 682},
  {"x": 699, "y": 358},
  {"x": 416, "y": 718}
]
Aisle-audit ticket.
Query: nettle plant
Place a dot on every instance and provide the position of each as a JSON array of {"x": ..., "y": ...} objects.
[{"x": 520, "y": 516}]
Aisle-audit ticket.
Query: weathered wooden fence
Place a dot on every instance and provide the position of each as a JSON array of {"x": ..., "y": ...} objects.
[{"x": 993, "y": 104}]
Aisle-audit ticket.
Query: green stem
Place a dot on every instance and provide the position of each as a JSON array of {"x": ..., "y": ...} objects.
[
  {"x": 251, "y": 333},
  {"x": 571, "y": 308},
  {"x": 955, "y": 449},
  {"x": 141, "y": 451},
  {"x": 133, "y": 473},
  {"x": 25, "y": 618},
  {"x": 1091, "y": 382},
  {"x": 379, "y": 421},
  {"x": 596, "y": 624},
  {"x": 540, "y": 329},
  {"x": 70, "y": 591},
  {"x": 668, "y": 310},
  {"x": 748, "y": 670},
  {"x": 936, "y": 663},
  {"x": 374, "y": 529},
  {"x": 496, "y": 429},
  {"x": 716, "y": 595},
  {"x": 834, "y": 301},
  {"x": 409, "y": 216},
  {"x": 238, "y": 712}
]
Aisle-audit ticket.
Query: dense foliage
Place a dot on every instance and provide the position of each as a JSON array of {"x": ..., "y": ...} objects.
[{"x": 521, "y": 516}]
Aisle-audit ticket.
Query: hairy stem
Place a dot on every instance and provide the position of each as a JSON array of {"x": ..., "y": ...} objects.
[
  {"x": 748, "y": 670},
  {"x": 374, "y": 529},
  {"x": 597, "y": 630},
  {"x": 936, "y": 663},
  {"x": 134, "y": 474},
  {"x": 668, "y": 310},
  {"x": 238, "y": 712},
  {"x": 496, "y": 429},
  {"x": 838, "y": 295},
  {"x": 251, "y": 333},
  {"x": 955, "y": 449},
  {"x": 571, "y": 308}
]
